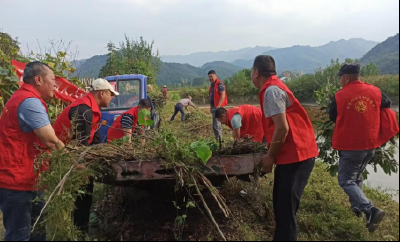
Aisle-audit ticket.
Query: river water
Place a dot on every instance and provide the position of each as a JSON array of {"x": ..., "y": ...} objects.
[{"x": 383, "y": 181}]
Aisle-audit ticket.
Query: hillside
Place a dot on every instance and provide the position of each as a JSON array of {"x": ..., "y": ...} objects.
[
  {"x": 296, "y": 59},
  {"x": 174, "y": 73},
  {"x": 90, "y": 67},
  {"x": 308, "y": 59},
  {"x": 170, "y": 73},
  {"x": 201, "y": 58},
  {"x": 385, "y": 56}
]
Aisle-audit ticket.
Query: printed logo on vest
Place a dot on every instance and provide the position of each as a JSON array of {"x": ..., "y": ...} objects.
[{"x": 361, "y": 107}]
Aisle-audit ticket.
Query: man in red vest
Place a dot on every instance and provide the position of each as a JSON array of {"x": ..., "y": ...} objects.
[
  {"x": 24, "y": 126},
  {"x": 218, "y": 99},
  {"x": 85, "y": 112},
  {"x": 165, "y": 92},
  {"x": 244, "y": 121},
  {"x": 364, "y": 122},
  {"x": 125, "y": 125},
  {"x": 80, "y": 121},
  {"x": 292, "y": 145}
]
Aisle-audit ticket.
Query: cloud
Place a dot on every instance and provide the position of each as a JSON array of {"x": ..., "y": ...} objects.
[{"x": 187, "y": 26}]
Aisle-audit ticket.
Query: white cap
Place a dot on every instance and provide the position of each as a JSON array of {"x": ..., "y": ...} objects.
[{"x": 101, "y": 85}]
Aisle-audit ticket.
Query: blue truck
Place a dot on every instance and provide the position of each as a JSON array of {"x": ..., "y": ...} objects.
[{"x": 132, "y": 89}]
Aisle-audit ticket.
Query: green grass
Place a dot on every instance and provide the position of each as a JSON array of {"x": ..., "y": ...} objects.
[{"x": 324, "y": 213}]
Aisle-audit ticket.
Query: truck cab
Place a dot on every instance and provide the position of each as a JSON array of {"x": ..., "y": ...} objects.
[{"x": 132, "y": 88}]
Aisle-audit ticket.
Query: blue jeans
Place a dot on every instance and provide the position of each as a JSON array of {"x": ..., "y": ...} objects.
[
  {"x": 352, "y": 165},
  {"x": 179, "y": 108},
  {"x": 20, "y": 213},
  {"x": 217, "y": 127}
]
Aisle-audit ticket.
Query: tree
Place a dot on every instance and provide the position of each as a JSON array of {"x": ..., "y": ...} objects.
[
  {"x": 240, "y": 85},
  {"x": 303, "y": 87},
  {"x": 133, "y": 57},
  {"x": 9, "y": 50},
  {"x": 370, "y": 70},
  {"x": 199, "y": 81},
  {"x": 114, "y": 65}
]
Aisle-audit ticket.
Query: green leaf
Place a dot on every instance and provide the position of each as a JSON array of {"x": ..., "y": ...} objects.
[
  {"x": 4, "y": 72},
  {"x": 190, "y": 205},
  {"x": 204, "y": 153},
  {"x": 213, "y": 146},
  {"x": 179, "y": 221},
  {"x": 202, "y": 150},
  {"x": 125, "y": 139},
  {"x": 144, "y": 118},
  {"x": 149, "y": 122}
]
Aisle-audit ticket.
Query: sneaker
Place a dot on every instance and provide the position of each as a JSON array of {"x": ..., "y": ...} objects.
[{"x": 374, "y": 219}]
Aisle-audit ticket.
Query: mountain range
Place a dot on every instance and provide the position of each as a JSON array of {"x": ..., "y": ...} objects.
[
  {"x": 201, "y": 58},
  {"x": 175, "y": 73},
  {"x": 385, "y": 56},
  {"x": 308, "y": 59},
  {"x": 304, "y": 59}
]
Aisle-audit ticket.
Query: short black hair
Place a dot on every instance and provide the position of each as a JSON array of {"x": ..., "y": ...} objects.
[
  {"x": 265, "y": 64},
  {"x": 145, "y": 103},
  {"x": 32, "y": 70},
  {"x": 212, "y": 72},
  {"x": 220, "y": 112}
]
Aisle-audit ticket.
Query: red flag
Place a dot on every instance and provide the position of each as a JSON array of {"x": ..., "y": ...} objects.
[{"x": 65, "y": 90}]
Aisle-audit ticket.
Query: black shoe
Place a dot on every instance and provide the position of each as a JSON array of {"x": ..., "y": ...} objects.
[{"x": 374, "y": 219}]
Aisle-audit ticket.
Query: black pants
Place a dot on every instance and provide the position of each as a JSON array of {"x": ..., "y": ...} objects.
[
  {"x": 289, "y": 184},
  {"x": 83, "y": 205}
]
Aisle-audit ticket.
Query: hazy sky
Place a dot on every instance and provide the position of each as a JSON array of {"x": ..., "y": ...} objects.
[{"x": 187, "y": 26}]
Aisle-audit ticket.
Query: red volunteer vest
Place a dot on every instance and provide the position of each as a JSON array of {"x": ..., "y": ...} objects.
[
  {"x": 217, "y": 96},
  {"x": 359, "y": 124},
  {"x": 116, "y": 132},
  {"x": 389, "y": 126},
  {"x": 300, "y": 144},
  {"x": 18, "y": 149},
  {"x": 251, "y": 122},
  {"x": 62, "y": 126}
]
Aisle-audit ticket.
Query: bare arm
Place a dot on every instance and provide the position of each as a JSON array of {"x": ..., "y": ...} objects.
[
  {"x": 192, "y": 104},
  {"x": 280, "y": 134},
  {"x": 128, "y": 132},
  {"x": 222, "y": 99},
  {"x": 48, "y": 137},
  {"x": 236, "y": 134},
  {"x": 278, "y": 139}
]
